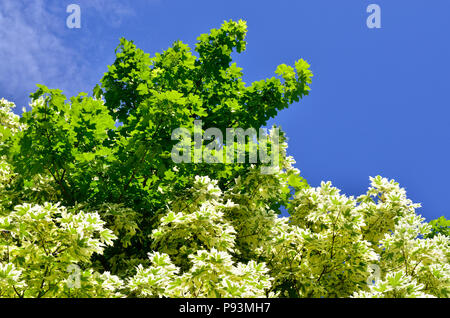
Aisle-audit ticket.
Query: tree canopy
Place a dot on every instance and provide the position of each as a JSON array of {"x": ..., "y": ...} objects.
[{"x": 92, "y": 204}]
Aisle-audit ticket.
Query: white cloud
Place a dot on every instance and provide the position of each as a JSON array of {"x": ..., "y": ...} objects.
[{"x": 32, "y": 46}]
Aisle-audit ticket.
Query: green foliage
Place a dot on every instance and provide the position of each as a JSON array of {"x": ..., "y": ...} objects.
[
  {"x": 39, "y": 243},
  {"x": 8, "y": 120},
  {"x": 212, "y": 275},
  {"x": 395, "y": 285},
  {"x": 439, "y": 226},
  {"x": 92, "y": 204},
  {"x": 66, "y": 140}
]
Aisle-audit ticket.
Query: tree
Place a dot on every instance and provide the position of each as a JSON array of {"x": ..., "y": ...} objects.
[
  {"x": 439, "y": 226},
  {"x": 92, "y": 204}
]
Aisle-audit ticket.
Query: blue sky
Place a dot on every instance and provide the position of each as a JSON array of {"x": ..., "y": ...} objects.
[{"x": 379, "y": 102}]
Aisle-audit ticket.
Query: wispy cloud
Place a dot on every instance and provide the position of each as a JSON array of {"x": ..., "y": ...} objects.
[{"x": 33, "y": 49}]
